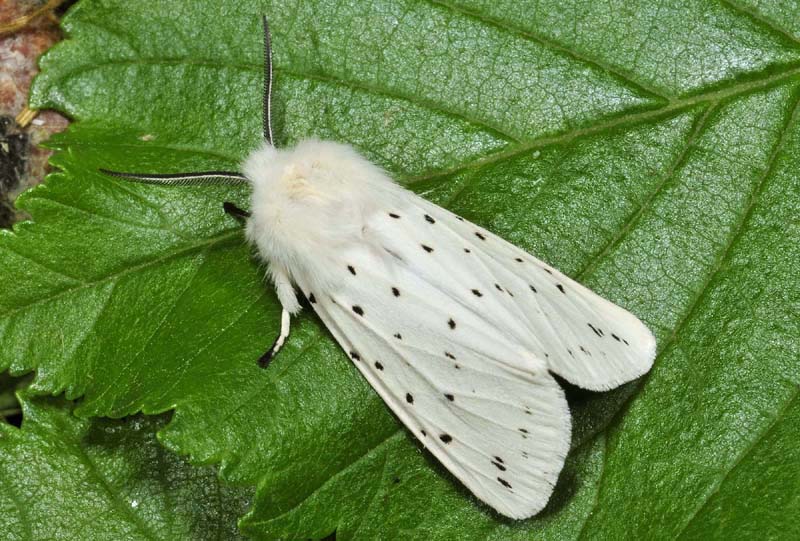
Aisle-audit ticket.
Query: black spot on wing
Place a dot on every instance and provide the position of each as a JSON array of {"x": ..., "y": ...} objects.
[
  {"x": 355, "y": 356},
  {"x": 395, "y": 216},
  {"x": 467, "y": 250},
  {"x": 561, "y": 288},
  {"x": 447, "y": 438},
  {"x": 351, "y": 269},
  {"x": 409, "y": 398},
  {"x": 451, "y": 323},
  {"x": 518, "y": 259},
  {"x": 426, "y": 248},
  {"x": 398, "y": 336},
  {"x": 429, "y": 219},
  {"x": 499, "y": 466},
  {"x": 378, "y": 365},
  {"x": 395, "y": 292},
  {"x": 477, "y": 293},
  {"x": 504, "y": 482},
  {"x": 479, "y": 235},
  {"x": 358, "y": 310},
  {"x": 449, "y": 355},
  {"x": 599, "y": 332},
  {"x": 450, "y": 397},
  {"x": 312, "y": 299},
  {"x": 533, "y": 288}
]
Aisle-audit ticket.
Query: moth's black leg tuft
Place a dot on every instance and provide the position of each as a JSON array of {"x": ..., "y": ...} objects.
[
  {"x": 265, "y": 359},
  {"x": 235, "y": 211}
]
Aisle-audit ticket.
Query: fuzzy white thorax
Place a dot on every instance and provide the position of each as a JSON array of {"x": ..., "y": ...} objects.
[{"x": 308, "y": 204}]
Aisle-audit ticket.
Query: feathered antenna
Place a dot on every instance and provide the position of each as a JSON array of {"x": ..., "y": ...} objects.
[
  {"x": 181, "y": 179},
  {"x": 267, "y": 113},
  {"x": 216, "y": 177}
]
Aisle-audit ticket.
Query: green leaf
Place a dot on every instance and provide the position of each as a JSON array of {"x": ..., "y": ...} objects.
[
  {"x": 66, "y": 478},
  {"x": 649, "y": 150}
]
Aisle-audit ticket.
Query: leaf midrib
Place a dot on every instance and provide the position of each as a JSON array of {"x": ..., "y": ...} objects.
[
  {"x": 518, "y": 146},
  {"x": 622, "y": 121},
  {"x": 165, "y": 256}
]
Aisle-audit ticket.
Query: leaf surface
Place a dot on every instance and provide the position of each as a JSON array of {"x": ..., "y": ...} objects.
[
  {"x": 66, "y": 478},
  {"x": 648, "y": 149}
]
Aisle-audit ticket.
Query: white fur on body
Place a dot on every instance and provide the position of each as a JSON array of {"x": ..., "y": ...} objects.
[
  {"x": 456, "y": 329},
  {"x": 310, "y": 204}
]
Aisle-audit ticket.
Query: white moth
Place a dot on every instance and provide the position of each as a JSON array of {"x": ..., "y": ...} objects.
[{"x": 456, "y": 329}]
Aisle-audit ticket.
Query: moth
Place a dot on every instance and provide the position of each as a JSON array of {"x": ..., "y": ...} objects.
[{"x": 459, "y": 331}]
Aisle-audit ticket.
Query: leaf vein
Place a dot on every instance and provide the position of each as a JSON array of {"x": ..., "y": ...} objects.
[
  {"x": 185, "y": 365},
  {"x": 759, "y": 19},
  {"x": 634, "y": 217},
  {"x": 374, "y": 496},
  {"x": 122, "y": 371},
  {"x": 117, "y": 502},
  {"x": 326, "y": 78},
  {"x": 73, "y": 279},
  {"x": 714, "y": 489},
  {"x": 131, "y": 225},
  {"x": 550, "y": 44},
  {"x": 385, "y": 441},
  {"x": 624, "y": 120},
  {"x": 703, "y": 291},
  {"x": 168, "y": 255},
  {"x": 19, "y": 504}
]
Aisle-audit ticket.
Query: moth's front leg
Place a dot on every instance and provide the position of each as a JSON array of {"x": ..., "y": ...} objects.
[
  {"x": 289, "y": 305},
  {"x": 265, "y": 359}
]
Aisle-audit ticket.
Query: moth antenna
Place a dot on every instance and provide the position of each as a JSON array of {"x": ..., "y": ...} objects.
[
  {"x": 182, "y": 179},
  {"x": 267, "y": 113}
]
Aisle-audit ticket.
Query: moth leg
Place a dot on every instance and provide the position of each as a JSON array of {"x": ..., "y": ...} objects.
[
  {"x": 234, "y": 211},
  {"x": 265, "y": 359},
  {"x": 289, "y": 305}
]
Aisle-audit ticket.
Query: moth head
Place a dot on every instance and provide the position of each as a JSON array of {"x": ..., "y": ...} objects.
[
  {"x": 297, "y": 192},
  {"x": 311, "y": 173}
]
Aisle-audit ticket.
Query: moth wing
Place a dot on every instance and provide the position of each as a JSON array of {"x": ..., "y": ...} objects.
[
  {"x": 584, "y": 338},
  {"x": 484, "y": 407}
]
